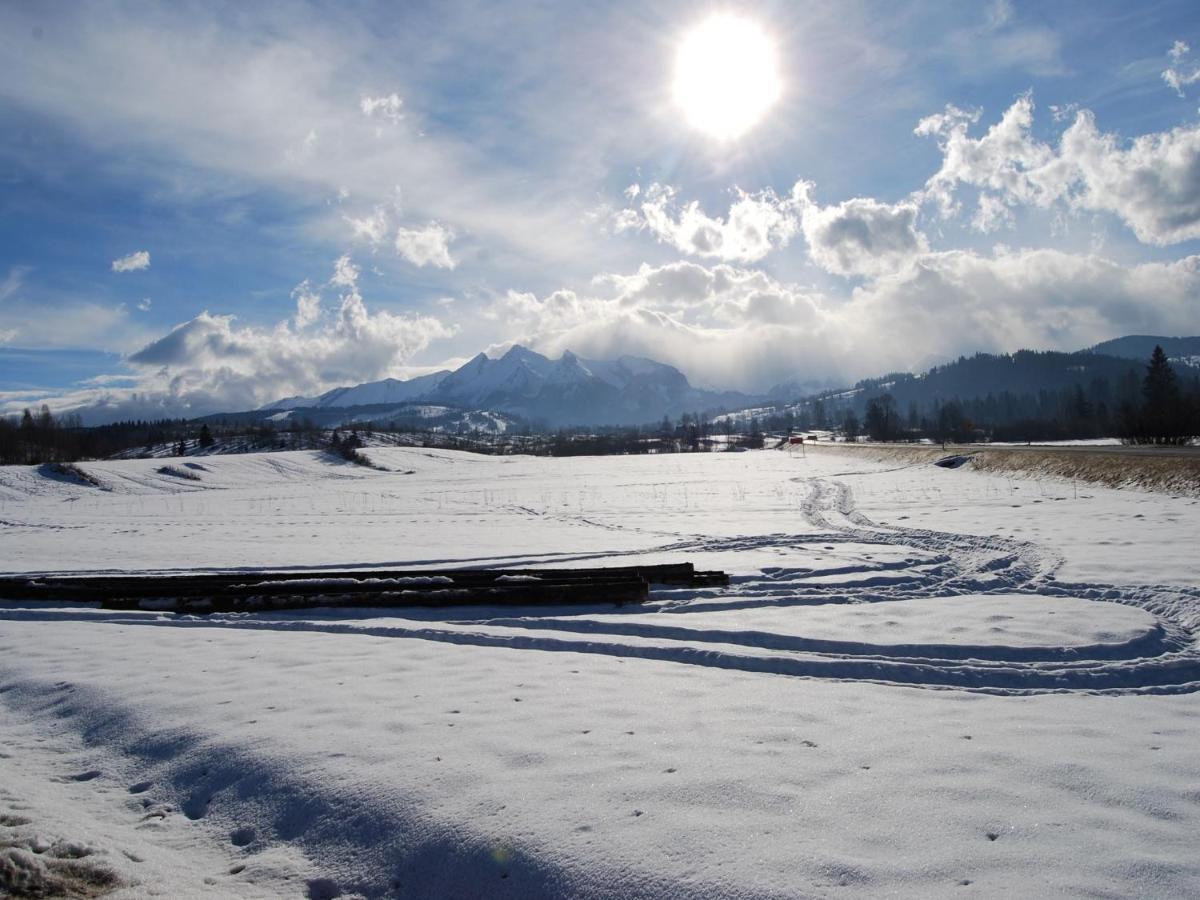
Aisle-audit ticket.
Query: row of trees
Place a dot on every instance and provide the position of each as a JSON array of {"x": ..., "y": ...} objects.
[
  {"x": 1162, "y": 409},
  {"x": 42, "y": 437}
]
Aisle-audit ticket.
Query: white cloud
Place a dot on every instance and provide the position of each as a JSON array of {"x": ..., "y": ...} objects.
[
  {"x": 1154, "y": 185},
  {"x": 959, "y": 302},
  {"x": 308, "y": 304},
  {"x": 756, "y": 224},
  {"x": 427, "y": 246},
  {"x": 372, "y": 228},
  {"x": 992, "y": 214},
  {"x": 144, "y": 304},
  {"x": 1178, "y": 75},
  {"x": 345, "y": 273},
  {"x": 860, "y": 237},
  {"x": 134, "y": 262},
  {"x": 1006, "y": 159},
  {"x": 388, "y": 107},
  {"x": 1151, "y": 183},
  {"x": 863, "y": 237},
  {"x": 212, "y": 363},
  {"x": 733, "y": 327}
]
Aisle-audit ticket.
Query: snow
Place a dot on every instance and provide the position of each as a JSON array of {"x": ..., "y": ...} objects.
[{"x": 920, "y": 682}]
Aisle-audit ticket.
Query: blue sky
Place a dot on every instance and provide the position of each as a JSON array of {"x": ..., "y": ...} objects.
[{"x": 318, "y": 194}]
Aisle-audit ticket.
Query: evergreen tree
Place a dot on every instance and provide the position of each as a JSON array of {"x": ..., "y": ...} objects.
[
  {"x": 881, "y": 420},
  {"x": 850, "y": 426},
  {"x": 206, "y": 438},
  {"x": 819, "y": 418},
  {"x": 1162, "y": 407}
]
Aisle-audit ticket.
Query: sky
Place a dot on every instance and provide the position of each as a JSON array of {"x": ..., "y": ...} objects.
[{"x": 212, "y": 206}]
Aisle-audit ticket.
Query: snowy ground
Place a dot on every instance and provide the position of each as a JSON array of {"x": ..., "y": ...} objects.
[{"x": 922, "y": 682}]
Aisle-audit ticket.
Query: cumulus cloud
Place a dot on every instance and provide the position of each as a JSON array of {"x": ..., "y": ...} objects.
[
  {"x": 427, "y": 246},
  {"x": 863, "y": 236},
  {"x": 134, "y": 262},
  {"x": 1005, "y": 160},
  {"x": 860, "y": 237},
  {"x": 308, "y": 304},
  {"x": 1151, "y": 183},
  {"x": 144, "y": 304},
  {"x": 1181, "y": 73},
  {"x": 735, "y": 327},
  {"x": 1154, "y": 185},
  {"x": 756, "y": 223},
  {"x": 213, "y": 363}
]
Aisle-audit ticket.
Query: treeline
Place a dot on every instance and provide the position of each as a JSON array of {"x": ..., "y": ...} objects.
[
  {"x": 43, "y": 437},
  {"x": 691, "y": 433},
  {"x": 1160, "y": 408}
]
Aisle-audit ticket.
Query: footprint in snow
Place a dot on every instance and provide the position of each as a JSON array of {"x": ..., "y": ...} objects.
[
  {"x": 323, "y": 889},
  {"x": 141, "y": 787},
  {"x": 196, "y": 807},
  {"x": 240, "y": 837},
  {"x": 86, "y": 776}
]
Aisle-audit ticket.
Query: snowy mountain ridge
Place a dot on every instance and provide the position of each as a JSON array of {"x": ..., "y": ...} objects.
[{"x": 567, "y": 391}]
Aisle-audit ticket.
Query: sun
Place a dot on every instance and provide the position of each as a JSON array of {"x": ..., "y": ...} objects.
[{"x": 726, "y": 76}]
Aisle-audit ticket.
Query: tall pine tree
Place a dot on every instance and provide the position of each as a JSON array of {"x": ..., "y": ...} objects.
[{"x": 1162, "y": 409}]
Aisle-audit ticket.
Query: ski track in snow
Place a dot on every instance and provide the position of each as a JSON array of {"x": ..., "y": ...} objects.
[{"x": 1166, "y": 659}]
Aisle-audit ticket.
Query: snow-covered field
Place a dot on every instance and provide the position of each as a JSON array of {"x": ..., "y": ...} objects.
[{"x": 922, "y": 682}]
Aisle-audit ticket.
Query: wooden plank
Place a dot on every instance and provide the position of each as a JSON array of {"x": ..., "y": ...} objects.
[
  {"x": 230, "y": 591},
  {"x": 626, "y": 591}
]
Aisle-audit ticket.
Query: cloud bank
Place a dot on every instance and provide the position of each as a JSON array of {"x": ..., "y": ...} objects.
[{"x": 211, "y": 363}]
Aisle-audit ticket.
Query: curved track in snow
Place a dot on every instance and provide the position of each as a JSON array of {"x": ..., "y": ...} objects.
[{"x": 918, "y": 564}]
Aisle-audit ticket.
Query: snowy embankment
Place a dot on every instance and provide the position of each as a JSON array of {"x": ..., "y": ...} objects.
[{"x": 921, "y": 682}]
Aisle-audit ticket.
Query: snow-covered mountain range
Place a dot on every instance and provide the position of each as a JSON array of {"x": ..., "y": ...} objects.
[{"x": 565, "y": 391}]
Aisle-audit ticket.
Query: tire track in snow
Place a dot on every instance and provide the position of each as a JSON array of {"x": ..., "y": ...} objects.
[{"x": 940, "y": 564}]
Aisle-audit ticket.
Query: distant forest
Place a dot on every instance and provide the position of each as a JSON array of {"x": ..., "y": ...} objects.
[{"x": 1024, "y": 396}]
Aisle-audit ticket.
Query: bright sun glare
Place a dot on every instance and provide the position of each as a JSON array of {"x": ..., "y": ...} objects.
[{"x": 726, "y": 76}]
